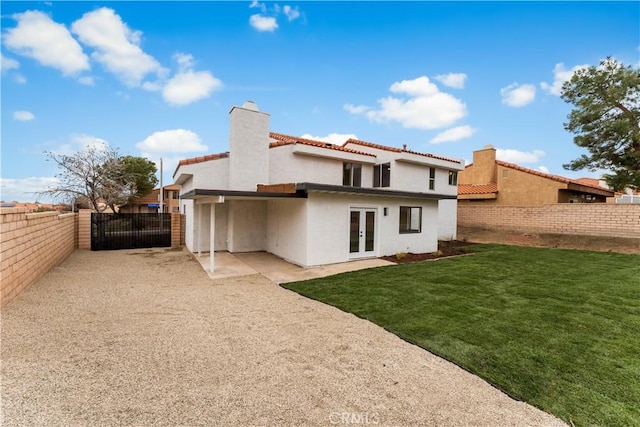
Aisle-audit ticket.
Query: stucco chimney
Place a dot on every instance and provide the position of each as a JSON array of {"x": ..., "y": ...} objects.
[
  {"x": 484, "y": 165},
  {"x": 248, "y": 147}
]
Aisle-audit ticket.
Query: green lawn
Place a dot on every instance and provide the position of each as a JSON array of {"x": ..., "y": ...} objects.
[{"x": 559, "y": 329}]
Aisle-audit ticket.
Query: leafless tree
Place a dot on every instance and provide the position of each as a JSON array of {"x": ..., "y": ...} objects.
[{"x": 96, "y": 174}]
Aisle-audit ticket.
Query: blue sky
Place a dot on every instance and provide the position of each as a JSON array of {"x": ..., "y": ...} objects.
[{"x": 157, "y": 79}]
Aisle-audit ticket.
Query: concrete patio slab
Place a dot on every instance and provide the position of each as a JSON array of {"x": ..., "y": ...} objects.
[{"x": 276, "y": 269}]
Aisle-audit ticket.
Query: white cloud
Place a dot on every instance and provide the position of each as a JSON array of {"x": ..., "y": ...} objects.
[
  {"x": 560, "y": 75},
  {"x": 116, "y": 46},
  {"x": 186, "y": 86},
  {"x": 332, "y": 138},
  {"x": 516, "y": 156},
  {"x": 263, "y": 23},
  {"x": 37, "y": 36},
  {"x": 23, "y": 116},
  {"x": 171, "y": 141},
  {"x": 190, "y": 86},
  {"x": 543, "y": 169},
  {"x": 356, "y": 109},
  {"x": 86, "y": 80},
  {"x": 454, "y": 80},
  {"x": 19, "y": 78},
  {"x": 7, "y": 64},
  {"x": 425, "y": 108},
  {"x": 516, "y": 95},
  {"x": 185, "y": 60},
  {"x": 291, "y": 13},
  {"x": 261, "y": 6},
  {"x": 25, "y": 189},
  {"x": 454, "y": 134},
  {"x": 80, "y": 142}
]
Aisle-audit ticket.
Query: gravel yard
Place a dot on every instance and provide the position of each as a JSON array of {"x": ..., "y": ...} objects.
[{"x": 145, "y": 338}]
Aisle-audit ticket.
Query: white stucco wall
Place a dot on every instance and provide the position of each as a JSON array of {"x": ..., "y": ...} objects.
[
  {"x": 222, "y": 215},
  {"x": 246, "y": 225},
  {"x": 248, "y": 147},
  {"x": 286, "y": 166},
  {"x": 213, "y": 174},
  {"x": 447, "y": 219},
  {"x": 187, "y": 210},
  {"x": 286, "y": 229},
  {"x": 328, "y": 227}
]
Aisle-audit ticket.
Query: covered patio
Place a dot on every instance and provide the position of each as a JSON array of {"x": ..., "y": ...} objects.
[{"x": 276, "y": 269}]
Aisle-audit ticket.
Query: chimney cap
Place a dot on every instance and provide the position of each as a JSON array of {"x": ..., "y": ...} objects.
[{"x": 250, "y": 105}]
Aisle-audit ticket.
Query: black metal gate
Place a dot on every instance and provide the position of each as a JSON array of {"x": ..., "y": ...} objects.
[{"x": 130, "y": 230}]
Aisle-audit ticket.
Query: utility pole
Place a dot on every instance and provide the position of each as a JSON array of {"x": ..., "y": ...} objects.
[{"x": 161, "y": 210}]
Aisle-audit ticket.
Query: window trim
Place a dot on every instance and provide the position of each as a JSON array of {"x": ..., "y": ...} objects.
[
  {"x": 351, "y": 172},
  {"x": 453, "y": 178},
  {"x": 409, "y": 230},
  {"x": 382, "y": 175},
  {"x": 432, "y": 178}
]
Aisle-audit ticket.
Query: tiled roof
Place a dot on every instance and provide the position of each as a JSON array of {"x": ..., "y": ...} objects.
[
  {"x": 282, "y": 139},
  {"x": 557, "y": 178},
  {"x": 201, "y": 159},
  {"x": 477, "y": 189},
  {"x": 589, "y": 181},
  {"x": 399, "y": 150}
]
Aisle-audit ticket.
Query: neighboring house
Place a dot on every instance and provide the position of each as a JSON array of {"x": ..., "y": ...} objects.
[
  {"x": 311, "y": 202},
  {"x": 626, "y": 197},
  {"x": 151, "y": 202},
  {"x": 492, "y": 181},
  {"x": 37, "y": 207}
]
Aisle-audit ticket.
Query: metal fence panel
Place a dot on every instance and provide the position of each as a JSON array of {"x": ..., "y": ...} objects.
[{"x": 130, "y": 230}]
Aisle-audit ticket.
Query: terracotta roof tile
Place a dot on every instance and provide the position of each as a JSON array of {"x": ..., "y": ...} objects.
[
  {"x": 477, "y": 189},
  {"x": 589, "y": 181},
  {"x": 548, "y": 175},
  {"x": 282, "y": 139},
  {"x": 201, "y": 159},
  {"x": 399, "y": 150}
]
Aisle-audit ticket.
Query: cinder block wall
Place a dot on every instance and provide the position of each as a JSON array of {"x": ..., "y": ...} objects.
[
  {"x": 177, "y": 229},
  {"x": 31, "y": 244},
  {"x": 590, "y": 219},
  {"x": 84, "y": 229}
]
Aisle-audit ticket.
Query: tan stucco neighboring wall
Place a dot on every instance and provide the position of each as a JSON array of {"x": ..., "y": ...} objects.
[
  {"x": 521, "y": 188},
  {"x": 482, "y": 170}
]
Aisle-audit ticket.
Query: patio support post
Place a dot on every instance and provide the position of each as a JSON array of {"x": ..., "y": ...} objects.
[
  {"x": 212, "y": 236},
  {"x": 199, "y": 227}
]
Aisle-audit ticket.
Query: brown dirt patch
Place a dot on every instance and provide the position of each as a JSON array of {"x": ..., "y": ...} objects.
[
  {"x": 445, "y": 249},
  {"x": 548, "y": 240}
]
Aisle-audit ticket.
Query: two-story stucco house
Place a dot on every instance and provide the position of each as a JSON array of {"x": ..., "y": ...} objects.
[{"x": 314, "y": 203}]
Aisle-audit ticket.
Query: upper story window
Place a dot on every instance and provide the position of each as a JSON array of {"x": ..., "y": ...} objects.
[
  {"x": 453, "y": 177},
  {"x": 432, "y": 178},
  {"x": 382, "y": 175},
  {"x": 352, "y": 174}
]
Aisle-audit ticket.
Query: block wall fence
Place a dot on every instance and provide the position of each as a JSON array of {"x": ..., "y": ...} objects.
[
  {"x": 31, "y": 244},
  {"x": 589, "y": 219}
]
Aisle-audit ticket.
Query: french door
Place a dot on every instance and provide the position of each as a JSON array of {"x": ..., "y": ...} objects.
[{"x": 362, "y": 232}]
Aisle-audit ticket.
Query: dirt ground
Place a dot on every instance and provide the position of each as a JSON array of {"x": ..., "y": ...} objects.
[
  {"x": 590, "y": 243},
  {"x": 445, "y": 249},
  {"x": 145, "y": 338}
]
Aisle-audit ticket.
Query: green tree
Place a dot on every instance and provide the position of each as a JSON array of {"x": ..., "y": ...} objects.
[
  {"x": 606, "y": 121},
  {"x": 141, "y": 173}
]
